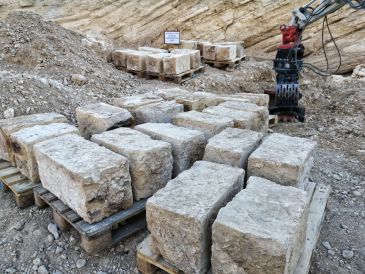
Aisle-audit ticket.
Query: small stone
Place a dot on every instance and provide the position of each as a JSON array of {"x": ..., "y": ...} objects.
[
  {"x": 58, "y": 250},
  {"x": 80, "y": 263},
  {"x": 356, "y": 193},
  {"x": 347, "y": 254},
  {"x": 37, "y": 262},
  {"x": 331, "y": 252},
  {"x": 19, "y": 225},
  {"x": 336, "y": 177},
  {"x": 54, "y": 230},
  {"x": 11, "y": 270},
  {"x": 78, "y": 79},
  {"x": 73, "y": 240},
  {"x": 326, "y": 245},
  {"x": 42, "y": 270},
  {"x": 9, "y": 113},
  {"x": 57, "y": 272},
  {"x": 50, "y": 238}
]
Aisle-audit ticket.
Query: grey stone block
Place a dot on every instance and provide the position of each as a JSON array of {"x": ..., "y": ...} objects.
[{"x": 162, "y": 112}]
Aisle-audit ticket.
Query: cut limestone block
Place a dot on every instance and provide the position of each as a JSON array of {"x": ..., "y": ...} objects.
[
  {"x": 232, "y": 147},
  {"x": 171, "y": 93},
  {"x": 262, "y": 230},
  {"x": 119, "y": 57},
  {"x": 100, "y": 117},
  {"x": 8, "y": 126},
  {"x": 154, "y": 62},
  {"x": 239, "y": 48},
  {"x": 188, "y": 44},
  {"x": 226, "y": 98},
  {"x": 209, "y": 124},
  {"x": 154, "y": 50},
  {"x": 180, "y": 215},
  {"x": 131, "y": 103},
  {"x": 209, "y": 51},
  {"x": 136, "y": 60},
  {"x": 200, "y": 46},
  {"x": 162, "y": 112},
  {"x": 90, "y": 179},
  {"x": 258, "y": 99},
  {"x": 262, "y": 112},
  {"x": 198, "y": 100},
  {"x": 242, "y": 119},
  {"x": 150, "y": 161},
  {"x": 283, "y": 159},
  {"x": 176, "y": 64},
  {"x": 187, "y": 144},
  {"x": 225, "y": 52},
  {"x": 195, "y": 60},
  {"x": 23, "y": 141}
]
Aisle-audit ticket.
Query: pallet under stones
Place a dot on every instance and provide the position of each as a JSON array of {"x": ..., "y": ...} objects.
[
  {"x": 21, "y": 186},
  {"x": 98, "y": 236},
  {"x": 226, "y": 65},
  {"x": 176, "y": 78},
  {"x": 148, "y": 262}
]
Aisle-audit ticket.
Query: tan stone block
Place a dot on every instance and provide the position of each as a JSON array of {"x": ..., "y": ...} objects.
[
  {"x": 225, "y": 52},
  {"x": 131, "y": 103},
  {"x": 136, "y": 60},
  {"x": 171, "y": 93},
  {"x": 153, "y": 50},
  {"x": 200, "y": 46},
  {"x": 239, "y": 48},
  {"x": 188, "y": 44},
  {"x": 254, "y": 98},
  {"x": 209, "y": 52},
  {"x": 198, "y": 100},
  {"x": 195, "y": 60},
  {"x": 154, "y": 62},
  {"x": 176, "y": 64},
  {"x": 119, "y": 57},
  {"x": 161, "y": 112}
]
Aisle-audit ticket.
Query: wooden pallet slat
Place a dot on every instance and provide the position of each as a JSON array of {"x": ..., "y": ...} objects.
[
  {"x": 49, "y": 197},
  {"x": 40, "y": 190},
  {"x": 23, "y": 187},
  {"x": 14, "y": 179},
  {"x": 228, "y": 65},
  {"x": 8, "y": 171},
  {"x": 177, "y": 78},
  {"x": 60, "y": 206},
  {"x": 4, "y": 164},
  {"x": 72, "y": 216}
]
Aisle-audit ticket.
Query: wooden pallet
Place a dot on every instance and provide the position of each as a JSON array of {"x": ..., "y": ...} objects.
[
  {"x": 22, "y": 188},
  {"x": 148, "y": 262},
  {"x": 176, "y": 78},
  {"x": 227, "y": 65},
  {"x": 100, "y": 235}
]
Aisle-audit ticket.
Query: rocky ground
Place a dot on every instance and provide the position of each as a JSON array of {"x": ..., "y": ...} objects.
[{"x": 44, "y": 67}]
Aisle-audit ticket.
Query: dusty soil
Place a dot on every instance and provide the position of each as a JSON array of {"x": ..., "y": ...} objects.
[{"x": 37, "y": 60}]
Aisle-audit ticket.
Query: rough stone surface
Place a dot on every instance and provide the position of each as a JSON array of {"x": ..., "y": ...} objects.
[
  {"x": 225, "y": 52},
  {"x": 198, "y": 100},
  {"x": 254, "y": 98},
  {"x": 195, "y": 60},
  {"x": 209, "y": 51},
  {"x": 9, "y": 113},
  {"x": 100, "y": 117},
  {"x": 176, "y": 63},
  {"x": 131, "y": 103},
  {"x": 78, "y": 79},
  {"x": 188, "y": 44},
  {"x": 154, "y": 50},
  {"x": 171, "y": 93},
  {"x": 283, "y": 159},
  {"x": 239, "y": 48},
  {"x": 23, "y": 141},
  {"x": 136, "y": 60},
  {"x": 242, "y": 119},
  {"x": 179, "y": 216},
  {"x": 8, "y": 126},
  {"x": 162, "y": 112},
  {"x": 119, "y": 57},
  {"x": 90, "y": 179},
  {"x": 262, "y": 113},
  {"x": 262, "y": 230},
  {"x": 187, "y": 144},
  {"x": 150, "y": 161},
  {"x": 209, "y": 124},
  {"x": 154, "y": 62},
  {"x": 232, "y": 147},
  {"x": 200, "y": 46}
]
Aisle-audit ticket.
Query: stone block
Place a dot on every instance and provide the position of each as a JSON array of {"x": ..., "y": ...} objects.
[
  {"x": 24, "y": 140},
  {"x": 254, "y": 98},
  {"x": 225, "y": 52},
  {"x": 154, "y": 62},
  {"x": 180, "y": 215},
  {"x": 188, "y": 44},
  {"x": 176, "y": 64},
  {"x": 200, "y": 46},
  {"x": 153, "y": 50},
  {"x": 9, "y": 126},
  {"x": 187, "y": 144},
  {"x": 198, "y": 100},
  {"x": 171, "y": 93},
  {"x": 136, "y": 60},
  {"x": 119, "y": 57},
  {"x": 209, "y": 52},
  {"x": 240, "y": 52},
  {"x": 90, "y": 179},
  {"x": 195, "y": 60},
  {"x": 131, "y": 103},
  {"x": 262, "y": 230},
  {"x": 262, "y": 113},
  {"x": 283, "y": 159},
  {"x": 232, "y": 147},
  {"x": 100, "y": 117},
  {"x": 162, "y": 112},
  {"x": 209, "y": 124},
  {"x": 150, "y": 161},
  {"x": 242, "y": 119}
]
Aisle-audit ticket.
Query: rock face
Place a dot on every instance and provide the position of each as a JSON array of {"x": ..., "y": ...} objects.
[
  {"x": 100, "y": 117},
  {"x": 283, "y": 159},
  {"x": 176, "y": 63},
  {"x": 262, "y": 230},
  {"x": 187, "y": 144},
  {"x": 23, "y": 141},
  {"x": 180, "y": 215},
  {"x": 232, "y": 147},
  {"x": 90, "y": 179},
  {"x": 209, "y": 124},
  {"x": 162, "y": 112},
  {"x": 8, "y": 126},
  {"x": 150, "y": 161}
]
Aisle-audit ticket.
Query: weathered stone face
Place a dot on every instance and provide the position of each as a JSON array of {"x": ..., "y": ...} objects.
[
  {"x": 209, "y": 51},
  {"x": 176, "y": 64},
  {"x": 154, "y": 62},
  {"x": 232, "y": 147},
  {"x": 262, "y": 230},
  {"x": 162, "y": 112},
  {"x": 136, "y": 60},
  {"x": 100, "y": 117},
  {"x": 171, "y": 93},
  {"x": 150, "y": 160},
  {"x": 90, "y": 179},
  {"x": 119, "y": 57},
  {"x": 254, "y": 98},
  {"x": 200, "y": 46},
  {"x": 198, "y": 100},
  {"x": 131, "y": 103},
  {"x": 23, "y": 141},
  {"x": 187, "y": 144},
  {"x": 239, "y": 48},
  {"x": 195, "y": 60},
  {"x": 154, "y": 50},
  {"x": 225, "y": 52},
  {"x": 8, "y": 126},
  {"x": 188, "y": 44},
  {"x": 180, "y": 215},
  {"x": 242, "y": 119},
  {"x": 209, "y": 124},
  {"x": 262, "y": 123},
  {"x": 283, "y": 159}
]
